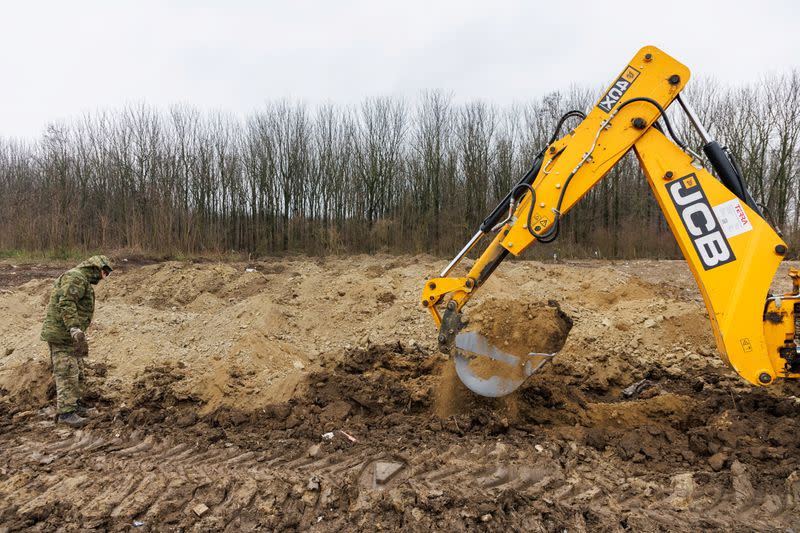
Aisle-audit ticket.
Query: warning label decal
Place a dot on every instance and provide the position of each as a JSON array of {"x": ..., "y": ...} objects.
[{"x": 732, "y": 218}]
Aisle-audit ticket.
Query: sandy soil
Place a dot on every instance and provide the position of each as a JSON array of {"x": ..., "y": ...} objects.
[{"x": 304, "y": 394}]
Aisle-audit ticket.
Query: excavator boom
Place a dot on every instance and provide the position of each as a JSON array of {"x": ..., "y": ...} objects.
[{"x": 732, "y": 251}]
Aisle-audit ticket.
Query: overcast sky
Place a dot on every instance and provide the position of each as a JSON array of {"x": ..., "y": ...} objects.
[{"x": 60, "y": 59}]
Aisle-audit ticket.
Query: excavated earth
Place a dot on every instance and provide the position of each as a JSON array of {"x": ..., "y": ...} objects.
[{"x": 307, "y": 394}]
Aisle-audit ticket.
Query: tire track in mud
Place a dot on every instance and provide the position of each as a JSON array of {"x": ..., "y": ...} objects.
[
  {"x": 162, "y": 478},
  {"x": 408, "y": 469},
  {"x": 140, "y": 477},
  {"x": 144, "y": 476},
  {"x": 113, "y": 480}
]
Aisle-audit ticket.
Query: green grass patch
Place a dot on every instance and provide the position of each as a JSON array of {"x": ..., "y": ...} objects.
[{"x": 27, "y": 256}]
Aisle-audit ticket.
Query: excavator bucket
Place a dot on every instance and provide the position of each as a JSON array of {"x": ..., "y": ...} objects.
[{"x": 489, "y": 371}]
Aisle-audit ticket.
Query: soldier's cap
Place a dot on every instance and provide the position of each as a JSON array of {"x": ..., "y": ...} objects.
[{"x": 98, "y": 261}]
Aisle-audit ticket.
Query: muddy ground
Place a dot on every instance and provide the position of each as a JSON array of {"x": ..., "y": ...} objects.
[{"x": 301, "y": 394}]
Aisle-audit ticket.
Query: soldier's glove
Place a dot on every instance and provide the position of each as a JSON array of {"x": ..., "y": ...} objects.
[
  {"x": 81, "y": 346},
  {"x": 77, "y": 334}
]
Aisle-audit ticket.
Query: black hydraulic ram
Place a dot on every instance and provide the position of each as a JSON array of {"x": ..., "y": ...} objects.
[
  {"x": 502, "y": 210},
  {"x": 526, "y": 183},
  {"x": 721, "y": 161},
  {"x": 495, "y": 217},
  {"x": 729, "y": 174},
  {"x": 514, "y": 194}
]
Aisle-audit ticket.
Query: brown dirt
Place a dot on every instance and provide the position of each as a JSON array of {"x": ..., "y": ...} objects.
[
  {"x": 12, "y": 275},
  {"x": 276, "y": 398},
  {"x": 519, "y": 327}
]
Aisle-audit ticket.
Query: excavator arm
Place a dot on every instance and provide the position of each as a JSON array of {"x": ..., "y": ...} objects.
[{"x": 732, "y": 251}]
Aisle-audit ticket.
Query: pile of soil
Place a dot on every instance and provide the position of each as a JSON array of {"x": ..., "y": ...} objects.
[
  {"x": 329, "y": 409},
  {"x": 519, "y": 327},
  {"x": 362, "y": 447}
]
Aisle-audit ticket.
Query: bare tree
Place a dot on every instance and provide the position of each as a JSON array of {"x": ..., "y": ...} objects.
[{"x": 333, "y": 179}]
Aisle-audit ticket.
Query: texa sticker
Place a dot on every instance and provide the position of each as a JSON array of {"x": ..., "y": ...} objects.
[
  {"x": 610, "y": 99},
  {"x": 700, "y": 223},
  {"x": 732, "y": 218}
]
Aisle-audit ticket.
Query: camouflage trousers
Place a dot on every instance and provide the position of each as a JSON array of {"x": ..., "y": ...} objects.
[{"x": 69, "y": 376}]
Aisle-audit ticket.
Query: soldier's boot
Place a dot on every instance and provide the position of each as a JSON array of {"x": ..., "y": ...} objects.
[{"x": 72, "y": 419}]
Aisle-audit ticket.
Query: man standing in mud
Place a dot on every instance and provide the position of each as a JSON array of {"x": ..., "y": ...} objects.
[{"x": 69, "y": 314}]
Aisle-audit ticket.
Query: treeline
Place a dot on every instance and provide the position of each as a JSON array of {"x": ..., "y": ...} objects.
[{"x": 386, "y": 175}]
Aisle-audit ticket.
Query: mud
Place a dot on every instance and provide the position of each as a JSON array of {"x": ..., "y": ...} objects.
[
  {"x": 519, "y": 327},
  {"x": 378, "y": 435},
  {"x": 13, "y": 275}
]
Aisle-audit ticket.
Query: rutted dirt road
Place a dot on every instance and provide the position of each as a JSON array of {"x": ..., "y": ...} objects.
[{"x": 307, "y": 395}]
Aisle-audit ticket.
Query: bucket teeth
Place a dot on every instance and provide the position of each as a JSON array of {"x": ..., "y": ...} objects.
[{"x": 489, "y": 371}]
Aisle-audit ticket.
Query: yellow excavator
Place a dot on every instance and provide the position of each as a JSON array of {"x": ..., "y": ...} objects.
[{"x": 733, "y": 252}]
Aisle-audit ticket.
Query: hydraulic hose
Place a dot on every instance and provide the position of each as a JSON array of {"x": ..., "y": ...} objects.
[
  {"x": 500, "y": 210},
  {"x": 552, "y": 234}
]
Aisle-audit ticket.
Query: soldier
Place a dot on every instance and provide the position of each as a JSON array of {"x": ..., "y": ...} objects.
[{"x": 69, "y": 313}]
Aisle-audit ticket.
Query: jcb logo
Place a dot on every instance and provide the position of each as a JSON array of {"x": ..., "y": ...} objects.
[
  {"x": 700, "y": 222},
  {"x": 614, "y": 94}
]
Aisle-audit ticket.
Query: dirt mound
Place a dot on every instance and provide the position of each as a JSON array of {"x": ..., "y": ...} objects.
[
  {"x": 529, "y": 332},
  {"x": 28, "y": 386},
  {"x": 171, "y": 284},
  {"x": 374, "y": 384},
  {"x": 361, "y": 447},
  {"x": 306, "y": 396},
  {"x": 520, "y": 327}
]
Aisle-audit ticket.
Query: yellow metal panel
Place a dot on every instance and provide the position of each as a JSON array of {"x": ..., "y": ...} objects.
[
  {"x": 730, "y": 249},
  {"x": 652, "y": 74}
]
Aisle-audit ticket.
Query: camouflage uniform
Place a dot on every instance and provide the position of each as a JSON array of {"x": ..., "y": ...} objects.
[
  {"x": 69, "y": 377},
  {"x": 71, "y": 306}
]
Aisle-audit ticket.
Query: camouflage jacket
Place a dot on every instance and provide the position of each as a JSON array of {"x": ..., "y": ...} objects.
[{"x": 71, "y": 304}]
